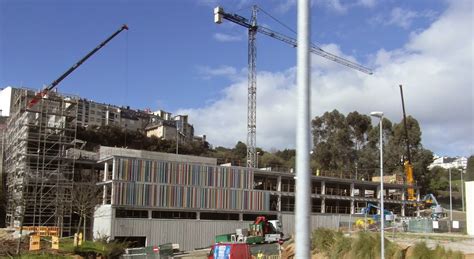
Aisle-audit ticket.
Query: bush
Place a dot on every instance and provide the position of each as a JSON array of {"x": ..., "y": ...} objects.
[{"x": 323, "y": 239}]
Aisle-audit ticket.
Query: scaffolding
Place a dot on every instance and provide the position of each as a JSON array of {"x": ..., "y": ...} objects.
[{"x": 39, "y": 174}]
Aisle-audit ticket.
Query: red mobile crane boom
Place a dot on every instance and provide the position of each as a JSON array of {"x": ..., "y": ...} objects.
[{"x": 51, "y": 86}]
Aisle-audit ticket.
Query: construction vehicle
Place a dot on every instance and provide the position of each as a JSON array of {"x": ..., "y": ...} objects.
[
  {"x": 372, "y": 210},
  {"x": 261, "y": 230},
  {"x": 51, "y": 86},
  {"x": 430, "y": 202},
  {"x": 407, "y": 165}
]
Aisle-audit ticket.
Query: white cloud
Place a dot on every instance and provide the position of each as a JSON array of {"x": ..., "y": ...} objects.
[
  {"x": 435, "y": 66},
  {"x": 208, "y": 72},
  {"x": 227, "y": 37},
  {"x": 402, "y": 17}
]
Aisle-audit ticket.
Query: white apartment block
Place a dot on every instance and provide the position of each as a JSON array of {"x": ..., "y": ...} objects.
[
  {"x": 90, "y": 113},
  {"x": 449, "y": 162}
]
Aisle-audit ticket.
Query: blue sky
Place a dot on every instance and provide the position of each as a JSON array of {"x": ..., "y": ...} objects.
[{"x": 175, "y": 58}]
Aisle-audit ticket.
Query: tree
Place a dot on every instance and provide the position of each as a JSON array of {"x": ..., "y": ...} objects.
[
  {"x": 86, "y": 196},
  {"x": 332, "y": 141},
  {"x": 470, "y": 169}
]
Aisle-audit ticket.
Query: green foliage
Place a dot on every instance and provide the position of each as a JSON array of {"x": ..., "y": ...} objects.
[
  {"x": 114, "y": 136},
  {"x": 342, "y": 245},
  {"x": 342, "y": 143},
  {"x": 323, "y": 239},
  {"x": 365, "y": 246},
  {"x": 470, "y": 169}
]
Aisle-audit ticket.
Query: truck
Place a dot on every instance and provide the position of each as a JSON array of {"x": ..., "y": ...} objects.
[{"x": 230, "y": 250}]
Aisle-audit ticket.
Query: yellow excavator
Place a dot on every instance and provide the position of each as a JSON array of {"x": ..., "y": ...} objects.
[{"x": 407, "y": 160}]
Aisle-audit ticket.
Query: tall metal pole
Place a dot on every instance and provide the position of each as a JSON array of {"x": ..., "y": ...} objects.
[
  {"x": 462, "y": 189},
  {"x": 382, "y": 216},
  {"x": 177, "y": 137},
  {"x": 252, "y": 92},
  {"x": 303, "y": 181}
]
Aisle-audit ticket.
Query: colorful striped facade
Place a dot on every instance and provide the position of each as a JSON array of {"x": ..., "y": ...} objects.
[{"x": 181, "y": 185}]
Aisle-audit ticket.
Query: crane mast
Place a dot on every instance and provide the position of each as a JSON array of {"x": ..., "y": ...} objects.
[
  {"x": 407, "y": 165},
  {"x": 51, "y": 86},
  {"x": 253, "y": 28}
]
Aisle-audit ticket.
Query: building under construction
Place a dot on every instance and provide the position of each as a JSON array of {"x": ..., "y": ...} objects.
[
  {"x": 153, "y": 198},
  {"x": 39, "y": 175}
]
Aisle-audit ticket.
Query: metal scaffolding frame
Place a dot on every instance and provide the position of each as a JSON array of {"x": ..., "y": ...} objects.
[{"x": 39, "y": 174}]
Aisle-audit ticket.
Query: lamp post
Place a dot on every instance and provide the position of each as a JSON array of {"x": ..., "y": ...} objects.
[
  {"x": 450, "y": 199},
  {"x": 382, "y": 218},
  {"x": 462, "y": 188}
]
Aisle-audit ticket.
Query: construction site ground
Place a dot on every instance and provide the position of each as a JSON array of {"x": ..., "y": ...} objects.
[{"x": 454, "y": 242}]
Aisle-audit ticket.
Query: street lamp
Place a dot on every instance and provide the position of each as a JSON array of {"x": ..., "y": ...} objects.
[{"x": 382, "y": 218}]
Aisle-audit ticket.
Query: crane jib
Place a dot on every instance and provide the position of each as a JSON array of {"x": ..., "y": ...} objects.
[{"x": 235, "y": 18}]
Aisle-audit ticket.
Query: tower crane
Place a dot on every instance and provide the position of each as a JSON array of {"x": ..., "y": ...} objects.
[
  {"x": 253, "y": 28},
  {"x": 407, "y": 162},
  {"x": 51, "y": 86}
]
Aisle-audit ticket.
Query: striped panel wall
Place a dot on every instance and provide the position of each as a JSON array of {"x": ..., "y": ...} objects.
[{"x": 165, "y": 184}]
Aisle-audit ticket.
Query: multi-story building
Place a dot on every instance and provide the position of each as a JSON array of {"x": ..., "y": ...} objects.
[
  {"x": 39, "y": 172},
  {"x": 91, "y": 113},
  {"x": 155, "y": 198},
  {"x": 449, "y": 162}
]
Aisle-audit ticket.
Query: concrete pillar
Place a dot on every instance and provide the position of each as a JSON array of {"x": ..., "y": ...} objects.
[
  {"x": 104, "y": 194},
  {"x": 404, "y": 198},
  {"x": 417, "y": 199},
  {"x": 323, "y": 205},
  {"x": 352, "y": 206},
  {"x": 114, "y": 169},
  {"x": 241, "y": 217},
  {"x": 150, "y": 214},
  {"x": 323, "y": 187},
  {"x": 352, "y": 190},
  {"x": 279, "y": 193},
  {"x": 114, "y": 175}
]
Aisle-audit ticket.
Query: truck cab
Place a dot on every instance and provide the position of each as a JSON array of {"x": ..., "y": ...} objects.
[{"x": 230, "y": 250}]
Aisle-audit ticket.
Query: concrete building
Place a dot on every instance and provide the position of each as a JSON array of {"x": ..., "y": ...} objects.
[
  {"x": 153, "y": 198},
  {"x": 39, "y": 173},
  {"x": 449, "y": 162},
  {"x": 470, "y": 207}
]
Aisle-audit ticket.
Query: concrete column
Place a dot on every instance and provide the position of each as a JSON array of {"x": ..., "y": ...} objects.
[
  {"x": 114, "y": 169},
  {"x": 114, "y": 175},
  {"x": 241, "y": 217},
  {"x": 150, "y": 214},
  {"x": 323, "y": 205},
  {"x": 106, "y": 170},
  {"x": 323, "y": 187},
  {"x": 404, "y": 198},
  {"x": 352, "y": 190},
  {"x": 104, "y": 194},
  {"x": 198, "y": 215},
  {"x": 352, "y": 206},
  {"x": 417, "y": 199},
  {"x": 279, "y": 193}
]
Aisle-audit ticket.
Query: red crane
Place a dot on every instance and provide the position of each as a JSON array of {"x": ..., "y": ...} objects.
[{"x": 51, "y": 86}]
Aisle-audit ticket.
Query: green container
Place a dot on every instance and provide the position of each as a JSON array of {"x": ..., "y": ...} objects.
[
  {"x": 255, "y": 239},
  {"x": 224, "y": 238}
]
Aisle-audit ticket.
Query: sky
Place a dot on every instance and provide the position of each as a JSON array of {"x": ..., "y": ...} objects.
[{"x": 175, "y": 58}]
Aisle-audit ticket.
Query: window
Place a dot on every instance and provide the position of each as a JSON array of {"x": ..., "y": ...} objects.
[
  {"x": 123, "y": 213},
  {"x": 219, "y": 216},
  {"x": 173, "y": 215}
]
